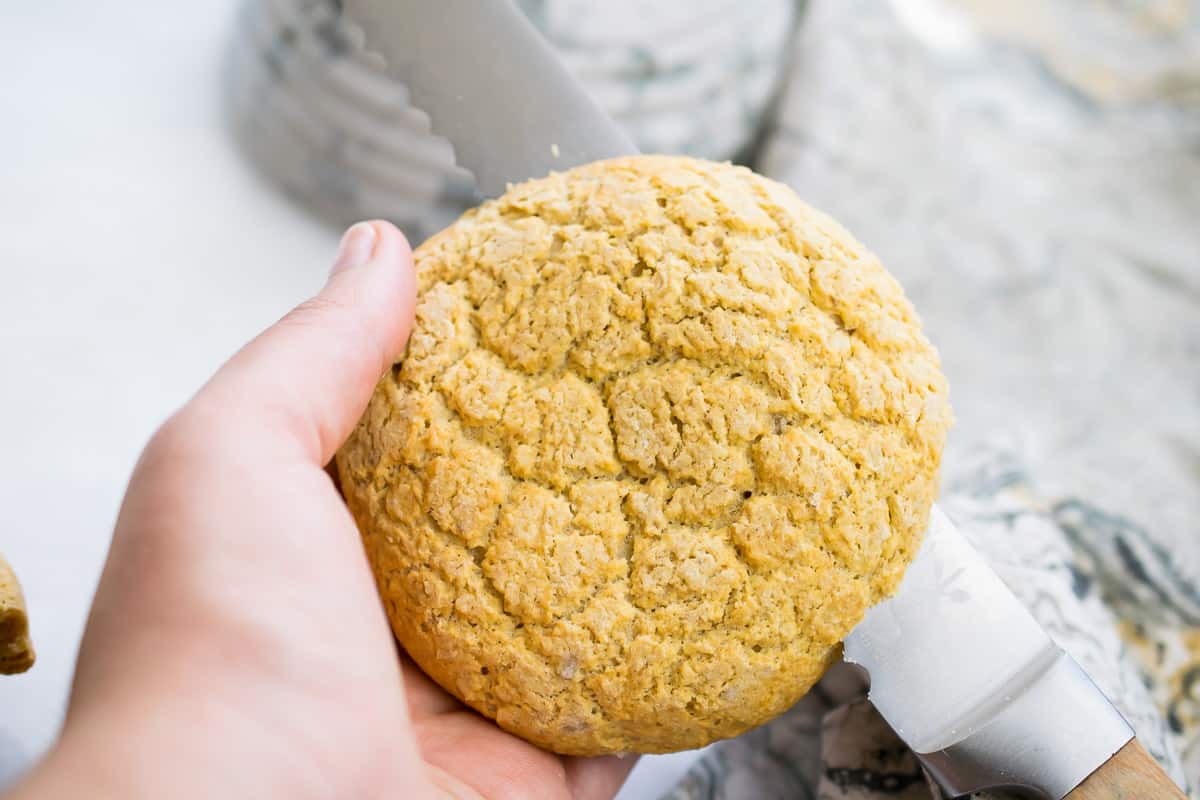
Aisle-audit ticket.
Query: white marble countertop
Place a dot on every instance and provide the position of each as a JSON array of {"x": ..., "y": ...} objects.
[{"x": 139, "y": 250}]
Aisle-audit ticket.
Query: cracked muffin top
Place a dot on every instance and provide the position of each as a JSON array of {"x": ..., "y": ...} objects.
[{"x": 661, "y": 434}]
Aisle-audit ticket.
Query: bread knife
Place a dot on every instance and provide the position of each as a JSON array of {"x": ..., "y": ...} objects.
[
  {"x": 491, "y": 85},
  {"x": 958, "y": 667}
]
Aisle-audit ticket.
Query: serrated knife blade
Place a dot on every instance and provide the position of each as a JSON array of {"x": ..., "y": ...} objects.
[{"x": 491, "y": 85}]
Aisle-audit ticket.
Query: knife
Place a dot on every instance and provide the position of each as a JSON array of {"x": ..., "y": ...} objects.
[
  {"x": 958, "y": 667},
  {"x": 491, "y": 85}
]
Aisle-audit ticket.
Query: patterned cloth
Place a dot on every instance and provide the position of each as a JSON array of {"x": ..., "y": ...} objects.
[{"x": 1030, "y": 172}]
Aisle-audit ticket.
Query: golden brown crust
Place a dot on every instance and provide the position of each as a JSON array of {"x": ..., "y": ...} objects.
[
  {"x": 660, "y": 436},
  {"x": 16, "y": 650}
]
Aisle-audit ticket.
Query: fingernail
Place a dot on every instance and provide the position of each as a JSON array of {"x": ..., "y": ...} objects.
[{"x": 358, "y": 243}]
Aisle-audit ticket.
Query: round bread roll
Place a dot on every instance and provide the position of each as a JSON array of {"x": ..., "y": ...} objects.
[{"x": 661, "y": 434}]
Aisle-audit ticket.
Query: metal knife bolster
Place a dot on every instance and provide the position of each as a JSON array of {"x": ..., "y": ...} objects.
[{"x": 974, "y": 685}]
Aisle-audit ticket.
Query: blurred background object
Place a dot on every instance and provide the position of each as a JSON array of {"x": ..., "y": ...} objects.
[
  {"x": 16, "y": 650},
  {"x": 317, "y": 114}
]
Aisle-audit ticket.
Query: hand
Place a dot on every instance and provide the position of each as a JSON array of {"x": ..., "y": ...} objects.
[{"x": 237, "y": 647}]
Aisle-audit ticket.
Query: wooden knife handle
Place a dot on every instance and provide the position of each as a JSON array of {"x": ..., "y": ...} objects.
[{"x": 1131, "y": 774}]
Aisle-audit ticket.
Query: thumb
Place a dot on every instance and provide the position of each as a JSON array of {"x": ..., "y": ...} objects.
[{"x": 303, "y": 383}]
